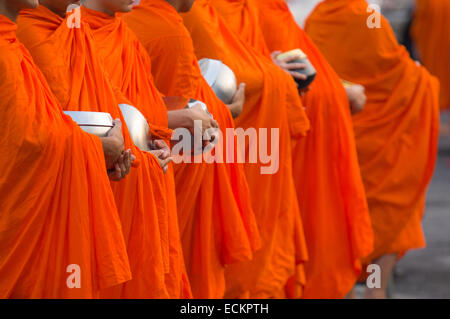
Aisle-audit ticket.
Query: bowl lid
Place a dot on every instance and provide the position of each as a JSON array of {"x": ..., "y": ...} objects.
[{"x": 84, "y": 118}]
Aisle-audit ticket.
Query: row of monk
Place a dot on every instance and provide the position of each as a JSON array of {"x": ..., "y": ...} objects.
[{"x": 128, "y": 223}]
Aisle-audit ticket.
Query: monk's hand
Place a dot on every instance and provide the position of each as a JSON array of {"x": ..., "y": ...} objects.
[
  {"x": 113, "y": 144},
  {"x": 197, "y": 113},
  {"x": 237, "y": 104},
  {"x": 161, "y": 151},
  {"x": 356, "y": 97},
  {"x": 122, "y": 166},
  {"x": 287, "y": 65}
]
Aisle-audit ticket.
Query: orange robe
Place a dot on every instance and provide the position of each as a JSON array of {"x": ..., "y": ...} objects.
[
  {"x": 68, "y": 59},
  {"x": 431, "y": 33},
  {"x": 268, "y": 105},
  {"x": 218, "y": 226},
  {"x": 56, "y": 205},
  {"x": 129, "y": 67},
  {"x": 328, "y": 180},
  {"x": 396, "y": 133}
]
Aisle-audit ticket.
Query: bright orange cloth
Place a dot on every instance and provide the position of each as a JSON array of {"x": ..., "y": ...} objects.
[
  {"x": 57, "y": 207},
  {"x": 68, "y": 58},
  {"x": 268, "y": 103},
  {"x": 129, "y": 67},
  {"x": 396, "y": 133},
  {"x": 327, "y": 175},
  {"x": 218, "y": 226},
  {"x": 431, "y": 33}
]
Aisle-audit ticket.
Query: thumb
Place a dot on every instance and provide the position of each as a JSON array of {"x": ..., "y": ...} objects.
[
  {"x": 117, "y": 123},
  {"x": 275, "y": 54}
]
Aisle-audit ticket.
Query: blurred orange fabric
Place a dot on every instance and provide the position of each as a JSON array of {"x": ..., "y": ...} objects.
[
  {"x": 431, "y": 33},
  {"x": 397, "y": 132}
]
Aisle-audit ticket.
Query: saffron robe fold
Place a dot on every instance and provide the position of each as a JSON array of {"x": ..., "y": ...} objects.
[
  {"x": 69, "y": 60},
  {"x": 58, "y": 218},
  {"x": 218, "y": 226},
  {"x": 327, "y": 175},
  {"x": 267, "y": 105},
  {"x": 431, "y": 34},
  {"x": 129, "y": 67},
  {"x": 396, "y": 133}
]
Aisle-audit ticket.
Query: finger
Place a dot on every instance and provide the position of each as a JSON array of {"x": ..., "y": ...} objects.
[
  {"x": 156, "y": 153},
  {"x": 162, "y": 145},
  {"x": 214, "y": 123},
  {"x": 241, "y": 88},
  {"x": 117, "y": 123},
  {"x": 159, "y": 143},
  {"x": 118, "y": 171},
  {"x": 165, "y": 154},
  {"x": 298, "y": 76},
  {"x": 290, "y": 58},
  {"x": 206, "y": 135},
  {"x": 274, "y": 54},
  {"x": 128, "y": 163},
  {"x": 165, "y": 164},
  {"x": 295, "y": 66}
]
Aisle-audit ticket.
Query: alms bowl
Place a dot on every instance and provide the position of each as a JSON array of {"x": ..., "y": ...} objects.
[
  {"x": 309, "y": 71},
  {"x": 137, "y": 126},
  {"x": 220, "y": 78},
  {"x": 96, "y": 123}
]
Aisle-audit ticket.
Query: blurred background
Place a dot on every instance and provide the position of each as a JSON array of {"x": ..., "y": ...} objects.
[{"x": 422, "y": 273}]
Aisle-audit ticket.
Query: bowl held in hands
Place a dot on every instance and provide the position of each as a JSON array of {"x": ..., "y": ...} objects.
[
  {"x": 220, "y": 78},
  {"x": 309, "y": 71},
  {"x": 137, "y": 126},
  {"x": 96, "y": 123}
]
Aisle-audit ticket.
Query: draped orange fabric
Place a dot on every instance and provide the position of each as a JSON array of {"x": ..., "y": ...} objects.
[
  {"x": 57, "y": 210},
  {"x": 431, "y": 33},
  {"x": 327, "y": 175},
  {"x": 218, "y": 226},
  {"x": 396, "y": 133},
  {"x": 129, "y": 67},
  {"x": 273, "y": 195},
  {"x": 68, "y": 59}
]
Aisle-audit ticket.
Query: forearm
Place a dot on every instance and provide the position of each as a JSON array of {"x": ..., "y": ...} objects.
[
  {"x": 179, "y": 118},
  {"x": 111, "y": 150}
]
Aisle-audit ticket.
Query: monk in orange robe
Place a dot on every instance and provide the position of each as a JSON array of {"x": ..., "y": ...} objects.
[
  {"x": 216, "y": 215},
  {"x": 129, "y": 66},
  {"x": 328, "y": 180},
  {"x": 60, "y": 234},
  {"x": 67, "y": 54},
  {"x": 396, "y": 133},
  {"x": 271, "y": 101},
  {"x": 431, "y": 33}
]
